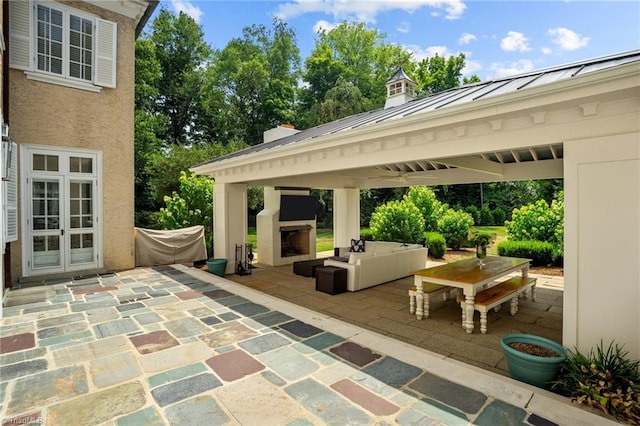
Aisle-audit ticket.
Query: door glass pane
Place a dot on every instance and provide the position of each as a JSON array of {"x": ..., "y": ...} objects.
[
  {"x": 46, "y": 205},
  {"x": 82, "y": 248},
  {"x": 46, "y": 251},
  {"x": 81, "y": 205},
  {"x": 80, "y": 165}
]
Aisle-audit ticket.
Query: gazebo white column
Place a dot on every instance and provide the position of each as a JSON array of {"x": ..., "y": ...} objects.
[
  {"x": 229, "y": 221},
  {"x": 346, "y": 216},
  {"x": 602, "y": 249}
]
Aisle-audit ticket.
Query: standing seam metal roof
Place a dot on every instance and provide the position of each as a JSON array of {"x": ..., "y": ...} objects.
[{"x": 447, "y": 98}]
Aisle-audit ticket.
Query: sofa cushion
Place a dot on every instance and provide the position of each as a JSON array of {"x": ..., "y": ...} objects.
[
  {"x": 354, "y": 257},
  {"x": 357, "y": 246}
]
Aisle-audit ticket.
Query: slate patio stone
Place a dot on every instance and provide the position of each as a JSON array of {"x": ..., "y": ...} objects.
[
  {"x": 392, "y": 371},
  {"x": 41, "y": 389},
  {"x": 499, "y": 412},
  {"x": 228, "y": 335},
  {"x": 61, "y": 330},
  {"x": 153, "y": 342},
  {"x": 249, "y": 309},
  {"x": 17, "y": 342},
  {"x": 98, "y": 407},
  {"x": 355, "y": 353},
  {"x": 332, "y": 408},
  {"x": 147, "y": 416},
  {"x": 234, "y": 365},
  {"x": 12, "y": 371},
  {"x": 176, "y": 374},
  {"x": 212, "y": 320},
  {"x": 201, "y": 410},
  {"x": 185, "y": 388},
  {"x": 453, "y": 394},
  {"x": 300, "y": 329},
  {"x": 118, "y": 368},
  {"x": 289, "y": 363},
  {"x": 186, "y": 327},
  {"x": 130, "y": 306},
  {"x": 264, "y": 343},
  {"x": 323, "y": 341},
  {"x": 114, "y": 328},
  {"x": 365, "y": 398},
  {"x": 272, "y": 318}
]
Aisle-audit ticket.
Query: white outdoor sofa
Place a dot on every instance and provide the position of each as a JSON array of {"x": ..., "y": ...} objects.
[{"x": 381, "y": 262}]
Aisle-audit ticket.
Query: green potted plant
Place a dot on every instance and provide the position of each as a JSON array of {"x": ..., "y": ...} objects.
[
  {"x": 604, "y": 379},
  {"x": 481, "y": 240},
  {"x": 533, "y": 359}
]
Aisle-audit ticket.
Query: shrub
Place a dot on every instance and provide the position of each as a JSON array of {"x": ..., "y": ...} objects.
[
  {"x": 499, "y": 216},
  {"x": 454, "y": 226},
  {"x": 474, "y": 212},
  {"x": 399, "y": 221},
  {"x": 605, "y": 380},
  {"x": 425, "y": 200},
  {"x": 541, "y": 253},
  {"x": 485, "y": 216},
  {"x": 436, "y": 244},
  {"x": 193, "y": 206},
  {"x": 538, "y": 221},
  {"x": 366, "y": 234}
]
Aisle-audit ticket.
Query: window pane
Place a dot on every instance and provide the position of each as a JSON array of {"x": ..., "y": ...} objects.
[
  {"x": 52, "y": 163},
  {"x": 38, "y": 223},
  {"x": 43, "y": 13},
  {"x": 38, "y": 190},
  {"x": 74, "y": 165},
  {"x": 38, "y": 162},
  {"x": 87, "y": 240},
  {"x": 56, "y": 50},
  {"x": 56, "y": 17},
  {"x": 74, "y": 38},
  {"x": 75, "y": 190},
  {"x": 38, "y": 207},
  {"x": 87, "y": 165},
  {"x": 56, "y": 66},
  {"x": 87, "y": 26},
  {"x": 52, "y": 190},
  {"x": 74, "y": 222},
  {"x": 86, "y": 190},
  {"x": 87, "y": 221},
  {"x": 56, "y": 34},
  {"x": 53, "y": 223},
  {"x": 39, "y": 244},
  {"x": 74, "y": 207},
  {"x": 74, "y": 23},
  {"x": 75, "y": 241},
  {"x": 53, "y": 242},
  {"x": 88, "y": 57},
  {"x": 74, "y": 54},
  {"x": 86, "y": 207},
  {"x": 74, "y": 70},
  {"x": 53, "y": 208}
]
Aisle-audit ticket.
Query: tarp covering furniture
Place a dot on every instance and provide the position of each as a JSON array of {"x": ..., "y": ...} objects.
[{"x": 166, "y": 247}]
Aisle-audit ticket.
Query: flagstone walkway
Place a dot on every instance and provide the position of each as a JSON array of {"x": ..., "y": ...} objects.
[{"x": 176, "y": 345}]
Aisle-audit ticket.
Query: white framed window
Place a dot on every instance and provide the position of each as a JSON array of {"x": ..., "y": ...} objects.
[
  {"x": 395, "y": 88},
  {"x": 58, "y": 44}
]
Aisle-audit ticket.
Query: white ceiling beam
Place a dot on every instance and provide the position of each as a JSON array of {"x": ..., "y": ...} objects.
[{"x": 475, "y": 164}]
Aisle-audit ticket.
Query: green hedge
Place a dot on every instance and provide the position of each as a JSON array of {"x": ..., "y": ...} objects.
[
  {"x": 541, "y": 253},
  {"x": 436, "y": 243}
]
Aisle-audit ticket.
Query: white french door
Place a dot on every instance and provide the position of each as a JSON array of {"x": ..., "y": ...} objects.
[{"x": 62, "y": 211}]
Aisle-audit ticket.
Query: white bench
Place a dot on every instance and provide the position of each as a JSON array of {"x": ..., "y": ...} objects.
[
  {"x": 428, "y": 290},
  {"x": 495, "y": 296}
]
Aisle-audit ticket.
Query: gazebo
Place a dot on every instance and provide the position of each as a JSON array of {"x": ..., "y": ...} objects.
[{"x": 579, "y": 122}]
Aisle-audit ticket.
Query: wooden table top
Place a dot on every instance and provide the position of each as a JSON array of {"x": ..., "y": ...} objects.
[{"x": 468, "y": 271}]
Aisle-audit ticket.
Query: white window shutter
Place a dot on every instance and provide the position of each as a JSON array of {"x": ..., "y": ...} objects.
[
  {"x": 106, "y": 53},
  {"x": 19, "y": 44},
  {"x": 11, "y": 197}
]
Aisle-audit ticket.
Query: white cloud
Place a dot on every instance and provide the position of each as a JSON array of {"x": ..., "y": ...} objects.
[
  {"x": 466, "y": 38},
  {"x": 404, "y": 27},
  {"x": 323, "y": 25},
  {"x": 420, "y": 53},
  {"x": 188, "y": 8},
  {"x": 547, "y": 50},
  {"x": 515, "y": 41},
  {"x": 365, "y": 11},
  {"x": 471, "y": 67},
  {"x": 519, "y": 67},
  {"x": 566, "y": 39}
]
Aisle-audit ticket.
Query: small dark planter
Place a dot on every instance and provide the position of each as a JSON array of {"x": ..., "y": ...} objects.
[
  {"x": 217, "y": 266},
  {"x": 532, "y": 369}
]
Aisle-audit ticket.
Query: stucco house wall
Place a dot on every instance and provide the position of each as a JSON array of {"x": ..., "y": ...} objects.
[{"x": 52, "y": 115}]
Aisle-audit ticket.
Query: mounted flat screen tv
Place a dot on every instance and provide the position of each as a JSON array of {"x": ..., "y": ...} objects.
[{"x": 298, "y": 207}]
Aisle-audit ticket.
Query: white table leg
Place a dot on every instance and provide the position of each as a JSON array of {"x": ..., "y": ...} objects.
[
  {"x": 468, "y": 314},
  {"x": 417, "y": 280}
]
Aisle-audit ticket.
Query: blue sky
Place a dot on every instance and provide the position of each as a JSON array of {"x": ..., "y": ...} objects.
[{"x": 498, "y": 38}]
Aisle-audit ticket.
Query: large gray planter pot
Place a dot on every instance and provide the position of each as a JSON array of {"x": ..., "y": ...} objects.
[{"x": 534, "y": 370}]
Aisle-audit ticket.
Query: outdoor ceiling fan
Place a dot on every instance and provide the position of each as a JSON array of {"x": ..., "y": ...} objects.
[{"x": 404, "y": 176}]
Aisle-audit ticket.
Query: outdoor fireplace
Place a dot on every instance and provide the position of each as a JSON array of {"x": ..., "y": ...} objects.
[{"x": 294, "y": 240}]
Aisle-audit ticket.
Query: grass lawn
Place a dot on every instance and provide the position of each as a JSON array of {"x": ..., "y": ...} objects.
[{"x": 324, "y": 239}]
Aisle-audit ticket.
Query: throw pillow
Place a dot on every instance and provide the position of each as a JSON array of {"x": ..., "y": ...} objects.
[{"x": 357, "y": 246}]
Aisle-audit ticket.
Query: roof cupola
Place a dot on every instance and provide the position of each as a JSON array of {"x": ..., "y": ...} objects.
[{"x": 400, "y": 89}]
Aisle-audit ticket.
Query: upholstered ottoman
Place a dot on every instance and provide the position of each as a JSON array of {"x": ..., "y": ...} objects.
[
  {"x": 331, "y": 279},
  {"x": 307, "y": 268}
]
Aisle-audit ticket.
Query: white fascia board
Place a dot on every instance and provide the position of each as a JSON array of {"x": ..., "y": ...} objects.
[{"x": 133, "y": 9}]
